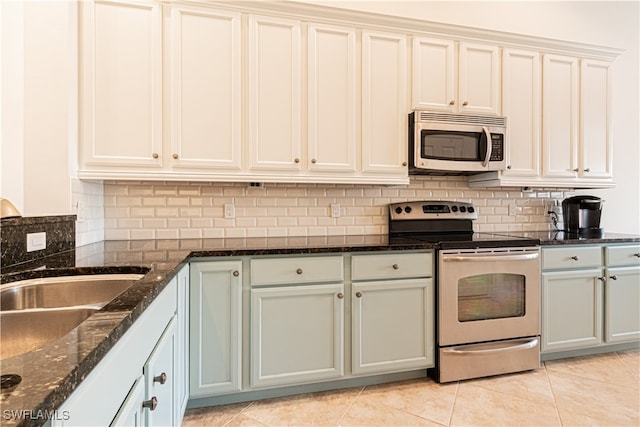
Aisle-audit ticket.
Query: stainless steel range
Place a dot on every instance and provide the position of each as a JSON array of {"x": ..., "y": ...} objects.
[{"x": 488, "y": 292}]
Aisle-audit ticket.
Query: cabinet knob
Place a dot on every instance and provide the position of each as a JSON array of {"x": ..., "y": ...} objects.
[
  {"x": 637, "y": 255},
  {"x": 299, "y": 271},
  {"x": 296, "y": 160},
  {"x": 236, "y": 273},
  {"x": 155, "y": 155},
  {"x": 151, "y": 403},
  {"x": 404, "y": 163},
  {"x": 614, "y": 277},
  {"x": 359, "y": 294},
  {"x": 508, "y": 166},
  {"x": 465, "y": 103},
  {"x": 602, "y": 279},
  {"x": 452, "y": 102},
  {"x": 575, "y": 258},
  {"x": 162, "y": 378},
  {"x": 175, "y": 156},
  {"x": 587, "y": 170},
  {"x": 395, "y": 266},
  {"x": 340, "y": 295},
  {"x": 576, "y": 170},
  {"x": 313, "y": 160}
]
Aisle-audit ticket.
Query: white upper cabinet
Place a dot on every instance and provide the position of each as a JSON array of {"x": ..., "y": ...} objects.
[
  {"x": 331, "y": 90},
  {"x": 560, "y": 116},
  {"x": 596, "y": 150},
  {"x": 121, "y": 85},
  {"x": 205, "y": 96},
  {"x": 456, "y": 77},
  {"x": 384, "y": 104},
  {"x": 275, "y": 63},
  {"x": 521, "y": 98}
]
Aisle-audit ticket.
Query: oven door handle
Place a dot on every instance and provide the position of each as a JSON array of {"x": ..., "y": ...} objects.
[
  {"x": 485, "y": 258},
  {"x": 522, "y": 346}
]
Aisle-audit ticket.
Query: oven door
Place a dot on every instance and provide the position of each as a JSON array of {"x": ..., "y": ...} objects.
[{"x": 488, "y": 295}]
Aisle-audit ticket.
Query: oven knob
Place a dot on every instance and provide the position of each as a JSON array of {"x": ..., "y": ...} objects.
[
  {"x": 407, "y": 209},
  {"x": 454, "y": 208},
  {"x": 463, "y": 209},
  {"x": 398, "y": 210},
  {"x": 471, "y": 209}
]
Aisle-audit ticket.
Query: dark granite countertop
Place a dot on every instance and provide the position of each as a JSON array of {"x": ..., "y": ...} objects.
[
  {"x": 51, "y": 374},
  {"x": 564, "y": 238}
]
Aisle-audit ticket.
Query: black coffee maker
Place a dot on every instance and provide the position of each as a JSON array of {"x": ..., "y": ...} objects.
[{"x": 582, "y": 215}]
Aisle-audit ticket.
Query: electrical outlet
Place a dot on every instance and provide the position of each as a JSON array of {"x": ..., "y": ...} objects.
[
  {"x": 335, "y": 210},
  {"x": 36, "y": 241},
  {"x": 229, "y": 211}
]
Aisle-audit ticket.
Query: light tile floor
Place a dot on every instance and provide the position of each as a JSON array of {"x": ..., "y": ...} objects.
[{"x": 601, "y": 390}]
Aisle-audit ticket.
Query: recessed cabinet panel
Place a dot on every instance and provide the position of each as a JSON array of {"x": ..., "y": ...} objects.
[
  {"x": 479, "y": 78},
  {"x": 331, "y": 98},
  {"x": 560, "y": 116},
  {"x": 160, "y": 377},
  {"x": 205, "y": 88},
  {"x": 384, "y": 104},
  {"x": 121, "y": 84},
  {"x": 274, "y": 94},
  {"x": 434, "y": 74},
  {"x": 595, "y": 120},
  {"x": 622, "y": 304},
  {"x": 521, "y": 95}
]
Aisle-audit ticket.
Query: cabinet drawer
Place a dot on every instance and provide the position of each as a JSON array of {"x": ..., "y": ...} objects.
[
  {"x": 275, "y": 271},
  {"x": 622, "y": 255},
  {"x": 391, "y": 266},
  {"x": 571, "y": 257}
]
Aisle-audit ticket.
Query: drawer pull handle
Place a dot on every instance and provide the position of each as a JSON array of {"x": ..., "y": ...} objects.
[
  {"x": 236, "y": 273},
  {"x": 340, "y": 295},
  {"x": 395, "y": 266},
  {"x": 299, "y": 271},
  {"x": 359, "y": 294},
  {"x": 587, "y": 170},
  {"x": 575, "y": 257},
  {"x": 602, "y": 279},
  {"x": 614, "y": 277},
  {"x": 637, "y": 255},
  {"x": 162, "y": 378},
  {"x": 151, "y": 403}
]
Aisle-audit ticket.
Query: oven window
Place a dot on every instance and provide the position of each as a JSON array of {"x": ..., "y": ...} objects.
[{"x": 491, "y": 296}]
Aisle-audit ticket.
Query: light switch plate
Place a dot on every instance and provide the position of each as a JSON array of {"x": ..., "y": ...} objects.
[{"x": 36, "y": 241}]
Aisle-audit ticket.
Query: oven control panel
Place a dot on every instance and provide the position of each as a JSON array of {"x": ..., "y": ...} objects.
[{"x": 432, "y": 210}]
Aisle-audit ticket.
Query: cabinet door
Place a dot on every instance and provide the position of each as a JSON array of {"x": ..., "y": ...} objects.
[
  {"x": 434, "y": 74},
  {"x": 131, "y": 413},
  {"x": 560, "y": 116},
  {"x": 622, "y": 304},
  {"x": 160, "y": 378},
  {"x": 182, "y": 333},
  {"x": 595, "y": 120},
  {"x": 521, "y": 98},
  {"x": 205, "y": 97},
  {"x": 571, "y": 309},
  {"x": 121, "y": 84},
  {"x": 296, "y": 334},
  {"x": 274, "y": 94},
  {"x": 479, "y": 78},
  {"x": 215, "y": 327},
  {"x": 392, "y": 325},
  {"x": 332, "y": 98},
  {"x": 384, "y": 105}
]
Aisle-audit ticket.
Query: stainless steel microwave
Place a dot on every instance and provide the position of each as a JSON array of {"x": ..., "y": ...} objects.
[{"x": 444, "y": 143}]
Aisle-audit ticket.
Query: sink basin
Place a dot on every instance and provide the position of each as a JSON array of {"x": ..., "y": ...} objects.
[
  {"x": 26, "y": 330},
  {"x": 36, "y": 312},
  {"x": 64, "y": 291}
]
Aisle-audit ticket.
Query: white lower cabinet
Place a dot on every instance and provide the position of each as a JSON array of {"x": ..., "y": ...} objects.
[
  {"x": 215, "y": 328},
  {"x": 296, "y": 334},
  {"x": 131, "y": 412},
  {"x": 590, "y": 296}
]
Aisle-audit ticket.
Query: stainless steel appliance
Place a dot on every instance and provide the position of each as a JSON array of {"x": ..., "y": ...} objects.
[
  {"x": 488, "y": 290},
  {"x": 582, "y": 214},
  {"x": 456, "y": 143}
]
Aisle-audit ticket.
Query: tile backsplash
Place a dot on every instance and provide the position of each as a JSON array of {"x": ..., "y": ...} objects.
[{"x": 182, "y": 210}]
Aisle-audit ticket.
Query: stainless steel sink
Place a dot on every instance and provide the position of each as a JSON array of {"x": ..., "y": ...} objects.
[
  {"x": 27, "y": 330},
  {"x": 38, "y": 311},
  {"x": 64, "y": 291}
]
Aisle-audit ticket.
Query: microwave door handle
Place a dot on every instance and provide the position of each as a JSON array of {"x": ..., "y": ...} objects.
[{"x": 489, "y": 146}]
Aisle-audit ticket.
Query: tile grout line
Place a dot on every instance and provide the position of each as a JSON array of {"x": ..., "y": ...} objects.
[
  {"x": 553, "y": 393},
  {"x": 353, "y": 401},
  {"x": 453, "y": 406}
]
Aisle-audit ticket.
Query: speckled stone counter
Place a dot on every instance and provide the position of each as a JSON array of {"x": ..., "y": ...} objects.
[
  {"x": 50, "y": 374},
  {"x": 563, "y": 238}
]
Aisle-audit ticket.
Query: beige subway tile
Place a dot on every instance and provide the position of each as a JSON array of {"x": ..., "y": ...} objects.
[
  {"x": 191, "y": 190},
  {"x": 143, "y": 234},
  {"x": 234, "y": 232},
  {"x": 244, "y": 222},
  {"x": 212, "y": 233},
  {"x": 277, "y": 212},
  {"x": 245, "y": 201},
  {"x": 177, "y": 201},
  {"x": 110, "y": 212},
  {"x": 142, "y": 212},
  {"x": 285, "y": 202},
  {"x": 200, "y": 201},
  {"x": 211, "y": 191},
  {"x": 190, "y": 233},
  {"x": 167, "y": 212},
  {"x": 154, "y": 201},
  {"x": 177, "y": 222},
  {"x": 336, "y": 230},
  {"x": 266, "y": 222},
  {"x": 276, "y": 232},
  {"x": 223, "y": 223},
  {"x": 165, "y": 190},
  {"x": 154, "y": 223},
  {"x": 355, "y": 230},
  {"x": 130, "y": 223},
  {"x": 140, "y": 190},
  {"x": 190, "y": 212},
  {"x": 201, "y": 222},
  {"x": 110, "y": 234},
  {"x": 215, "y": 212},
  {"x": 316, "y": 231},
  {"x": 168, "y": 233},
  {"x": 116, "y": 190},
  {"x": 296, "y": 231},
  {"x": 307, "y": 221},
  {"x": 287, "y": 222}
]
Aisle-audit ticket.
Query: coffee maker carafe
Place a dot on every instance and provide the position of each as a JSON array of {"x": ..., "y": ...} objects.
[{"x": 582, "y": 215}]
